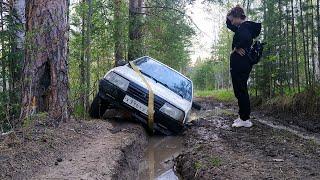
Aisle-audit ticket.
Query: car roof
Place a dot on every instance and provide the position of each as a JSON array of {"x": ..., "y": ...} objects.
[{"x": 164, "y": 65}]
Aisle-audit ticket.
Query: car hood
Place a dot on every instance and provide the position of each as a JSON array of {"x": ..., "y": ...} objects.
[{"x": 157, "y": 88}]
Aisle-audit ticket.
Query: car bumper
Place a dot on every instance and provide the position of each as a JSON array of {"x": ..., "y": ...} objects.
[{"x": 163, "y": 123}]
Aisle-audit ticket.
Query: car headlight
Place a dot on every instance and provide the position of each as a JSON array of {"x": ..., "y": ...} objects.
[
  {"x": 117, "y": 80},
  {"x": 172, "y": 111}
]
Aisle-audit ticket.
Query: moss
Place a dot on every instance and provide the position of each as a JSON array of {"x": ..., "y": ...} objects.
[{"x": 40, "y": 117}]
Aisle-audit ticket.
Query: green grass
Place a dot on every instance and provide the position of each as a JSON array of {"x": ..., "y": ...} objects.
[
  {"x": 215, "y": 161},
  {"x": 198, "y": 165},
  {"x": 221, "y": 95}
]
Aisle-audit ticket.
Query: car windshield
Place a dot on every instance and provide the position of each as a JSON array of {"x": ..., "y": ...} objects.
[{"x": 165, "y": 76}]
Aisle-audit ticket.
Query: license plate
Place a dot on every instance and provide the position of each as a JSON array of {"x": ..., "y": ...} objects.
[{"x": 136, "y": 104}]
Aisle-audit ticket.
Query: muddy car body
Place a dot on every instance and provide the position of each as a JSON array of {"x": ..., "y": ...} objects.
[{"x": 122, "y": 87}]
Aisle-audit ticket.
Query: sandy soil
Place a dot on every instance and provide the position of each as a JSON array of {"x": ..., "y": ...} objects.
[
  {"x": 93, "y": 149},
  {"x": 214, "y": 150}
]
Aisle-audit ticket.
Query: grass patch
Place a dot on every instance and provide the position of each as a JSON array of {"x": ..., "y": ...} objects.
[
  {"x": 215, "y": 161},
  {"x": 198, "y": 165},
  {"x": 221, "y": 95}
]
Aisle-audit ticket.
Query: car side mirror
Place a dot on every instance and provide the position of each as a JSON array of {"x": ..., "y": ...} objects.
[
  {"x": 121, "y": 62},
  {"x": 196, "y": 106}
]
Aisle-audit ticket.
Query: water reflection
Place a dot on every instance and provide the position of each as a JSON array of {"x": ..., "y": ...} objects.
[{"x": 157, "y": 162}]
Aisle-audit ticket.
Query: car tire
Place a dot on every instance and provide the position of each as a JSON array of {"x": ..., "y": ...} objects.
[{"x": 98, "y": 107}]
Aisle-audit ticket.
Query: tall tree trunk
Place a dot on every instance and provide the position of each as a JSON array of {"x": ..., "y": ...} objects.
[
  {"x": 287, "y": 59},
  {"x": 304, "y": 44},
  {"x": 20, "y": 19},
  {"x": 307, "y": 23},
  {"x": 292, "y": 47},
  {"x": 88, "y": 52},
  {"x": 135, "y": 49},
  {"x": 318, "y": 30},
  {"x": 312, "y": 44},
  {"x": 4, "y": 61},
  {"x": 118, "y": 46},
  {"x": 3, "y": 52},
  {"x": 15, "y": 63},
  {"x": 294, "y": 39},
  {"x": 82, "y": 60},
  {"x": 45, "y": 72},
  {"x": 248, "y": 7},
  {"x": 281, "y": 67}
]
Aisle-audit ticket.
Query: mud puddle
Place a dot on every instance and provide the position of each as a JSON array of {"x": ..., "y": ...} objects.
[{"x": 157, "y": 162}]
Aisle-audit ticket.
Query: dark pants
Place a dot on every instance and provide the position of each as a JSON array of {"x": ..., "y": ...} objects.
[{"x": 240, "y": 75}]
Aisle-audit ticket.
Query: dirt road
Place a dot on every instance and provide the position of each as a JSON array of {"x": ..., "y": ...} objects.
[
  {"x": 99, "y": 149},
  {"x": 214, "y": 150}
]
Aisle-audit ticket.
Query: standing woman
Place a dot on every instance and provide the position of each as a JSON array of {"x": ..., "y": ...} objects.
[{"x": 240, "y": 65}]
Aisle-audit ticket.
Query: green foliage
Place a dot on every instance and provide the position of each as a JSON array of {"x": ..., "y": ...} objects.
[
  {"x": 289, "y": 64},
  {"x": 168, "y": 33},
  {"x": 101, "y": 47},
  {"x": 214, "y": 73},
  {"x": 10, "y": 67},
  {"x": 225, "y": 95}
]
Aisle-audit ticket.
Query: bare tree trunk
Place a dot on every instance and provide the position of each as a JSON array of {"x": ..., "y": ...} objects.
[
  {"x": 4, "y": 61},
  {"x": 248, "y": 7},
  {"x": 118, "y": 46},
  {"x": 294, "y": 37},
  {"x": 304, "y": 44},
  {"x": 135, "y": 49},
  {"x": 307, "y": 23},
  {"x": 318, "y": 30},
  {"x": 88, "y": 52},
  {"x": 15, "y": 63},
  {"x": 287, "y": 59},
  {"x": 312, "y": 45},
  {"x": 19, "y": 11},
  {"x": 82, "y": 62},
  {"x": 45, "y": 72},
  {"x": 281, "y": 67}
]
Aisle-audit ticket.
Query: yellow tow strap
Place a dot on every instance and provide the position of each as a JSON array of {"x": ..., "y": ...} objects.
[{"x": 150, "y": 100}]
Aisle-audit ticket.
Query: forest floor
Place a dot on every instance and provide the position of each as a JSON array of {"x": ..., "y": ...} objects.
[
  {"x": 268, "y": 150},
  {"x": 78, "y": 149},
  {"x": 100, "y": 149}
]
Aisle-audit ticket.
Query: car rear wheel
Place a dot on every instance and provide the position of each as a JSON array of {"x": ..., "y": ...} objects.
[{"x": 98, "y": 107}]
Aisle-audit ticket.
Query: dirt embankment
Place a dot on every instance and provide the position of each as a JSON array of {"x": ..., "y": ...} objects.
[
  {"x": 214, "y": 150},
  {"x": 301, "y": 109},
  {"x": 77, "y": 149}
]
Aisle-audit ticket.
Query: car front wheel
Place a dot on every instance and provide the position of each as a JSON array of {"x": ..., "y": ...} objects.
[{"x": 98, "y": 107}]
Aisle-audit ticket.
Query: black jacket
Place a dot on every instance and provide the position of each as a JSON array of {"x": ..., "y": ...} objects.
[
  {"x": 244, "y": 34},
  {"x": 243, "y": 38}
]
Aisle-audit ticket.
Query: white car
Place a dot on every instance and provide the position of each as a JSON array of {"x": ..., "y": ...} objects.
[{"x": 122, "y": 87}]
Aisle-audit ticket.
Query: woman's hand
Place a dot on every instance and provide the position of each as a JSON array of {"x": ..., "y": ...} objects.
[{"x": 240, "y": 51}]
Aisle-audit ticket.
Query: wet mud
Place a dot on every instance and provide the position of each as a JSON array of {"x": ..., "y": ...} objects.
[{"x": 214, "y": 150}]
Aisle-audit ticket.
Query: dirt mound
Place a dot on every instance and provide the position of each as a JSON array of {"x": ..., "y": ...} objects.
[
  {"x": 302, "y": 109},
  {"x": 76, "y": 149}
]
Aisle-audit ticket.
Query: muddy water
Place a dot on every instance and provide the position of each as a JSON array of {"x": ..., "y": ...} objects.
[{"x": 157, "y": 162}]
